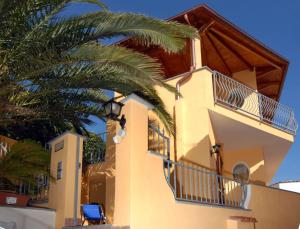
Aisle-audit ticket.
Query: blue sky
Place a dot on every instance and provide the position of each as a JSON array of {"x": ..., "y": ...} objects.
[{"x": 275, "y": 23}]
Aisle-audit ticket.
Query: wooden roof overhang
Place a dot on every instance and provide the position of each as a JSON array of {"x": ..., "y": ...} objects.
[{"x": 225, "y": 48}]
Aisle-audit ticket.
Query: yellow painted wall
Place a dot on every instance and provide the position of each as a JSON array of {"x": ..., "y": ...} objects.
[
  {"x": 195, "y": 131},
  {"x": 98, "y": 186},
  {"x": 61, "y": 193},
  {"x": 99, "y": 179},
  {"x": 144, "y": 199},
  {"x": 247, "y": 78},
  {"x": 138, "y": 181},
  {"x": 253, "y": 158}
]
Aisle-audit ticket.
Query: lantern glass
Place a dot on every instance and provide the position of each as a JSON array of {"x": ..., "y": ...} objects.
[
  {"x": 107, "y": 109},
  {"x": 116, "y": 109},
  {"x": 112, "y": 109}
]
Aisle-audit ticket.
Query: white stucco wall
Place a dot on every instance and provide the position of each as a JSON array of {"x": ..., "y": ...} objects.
[{"x": 28, "y": 218}]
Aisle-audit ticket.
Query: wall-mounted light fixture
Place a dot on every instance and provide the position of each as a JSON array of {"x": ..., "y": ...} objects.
[
  {"x": 112, "y": 110},
  {"x": 215, "y": 149}
]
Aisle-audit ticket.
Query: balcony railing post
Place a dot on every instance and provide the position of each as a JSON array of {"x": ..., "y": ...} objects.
[
  {"x": 175, "y": 178},
  {"x": 168, "y": 148},
  {"x": 260, "y": 106},
  {"x": 214, "y": 86},
  {"x": 159, "y": 142}
]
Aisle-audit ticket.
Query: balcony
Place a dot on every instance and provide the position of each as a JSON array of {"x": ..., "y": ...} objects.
[
  {"x": 200, "y": 185},
  {"x": 239, "y": 97},
  {"x": 194, "y": 183}
]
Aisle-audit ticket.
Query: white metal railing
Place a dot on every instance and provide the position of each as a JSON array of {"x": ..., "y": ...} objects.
[
  {"x": 158, "y": 141},
  {"x": 193, "y": 183},
  {"x": 38, "y": 190},
  {"x": 200, "y": 185},
  {"x": 238, "y": 96}
]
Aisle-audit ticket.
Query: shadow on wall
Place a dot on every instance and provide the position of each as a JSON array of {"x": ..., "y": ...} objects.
[
  {"x": 98, "y": 180},
  {"x": 196, "y": 179},
  {"x": 256, "y": 171},
  {"x": 253, "y": 158},
  {"x": 199, "y": 155}
]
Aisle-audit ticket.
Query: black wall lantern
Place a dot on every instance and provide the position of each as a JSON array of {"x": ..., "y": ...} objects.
[
  {"x": 215, "y": 149},
  {"x": 113, "y": 110}
]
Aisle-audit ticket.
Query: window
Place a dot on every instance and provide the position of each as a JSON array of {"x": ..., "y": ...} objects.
[
  {"x": 241, "y": 172},
  {"x": 59, "y": 170},
  {"x": 59, "y": 146}
]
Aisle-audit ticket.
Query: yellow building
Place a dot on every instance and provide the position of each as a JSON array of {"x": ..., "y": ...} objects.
[{"x": 231, "y": 135}]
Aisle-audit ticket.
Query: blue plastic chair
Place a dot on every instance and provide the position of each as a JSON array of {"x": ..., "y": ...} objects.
[{"x": 93, "y": 213}]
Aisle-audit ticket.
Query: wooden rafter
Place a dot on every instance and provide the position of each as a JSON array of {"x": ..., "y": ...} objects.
[
  {"x": 235, "y": 53},
  {"x": 263, "y": 69},
  {"x": 218, "y": 52},
  {"x": 205, "y": 27},
  {"x": 202, "y": 31},
  {"x": 244, "y": 47},
  {"x": 203, "y": 52},
  {"x": 162, "y": 61},
  {"x": 265, "y": 85},
  {"x": 261, "y": 72},
  {"x": 272, "y": 96}
]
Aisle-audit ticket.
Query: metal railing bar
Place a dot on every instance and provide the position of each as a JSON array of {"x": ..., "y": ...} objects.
[
  {"x": 181, "y": 188},
  {"x": 213, "y": 188},
  {"x": 157, "y": 131},
  {"x": 164, "y": 147},
  {"x": 205, "y": 187},
  {"x": 185, "y": 182},
  {"x": 191, "y": 184},
  {"x": 200, "y": 188},
  {"x": 175, "y": 179},
  {"x": 196, "y": 185}
]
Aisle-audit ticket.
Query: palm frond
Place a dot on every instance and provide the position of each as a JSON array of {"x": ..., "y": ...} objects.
[
  {"x": 24, "y": 161},
  {"x": 54, "y": 69}
]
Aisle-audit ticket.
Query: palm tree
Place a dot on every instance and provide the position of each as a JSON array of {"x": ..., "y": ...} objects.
[
  {"x": 23, "y": 163},
  {"x": 55, "y": 70}
]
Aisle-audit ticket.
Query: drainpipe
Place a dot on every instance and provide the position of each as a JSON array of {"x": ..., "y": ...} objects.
[
  {"x": 77, "y": 167},
  {"x": 188, "y": 75}
]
